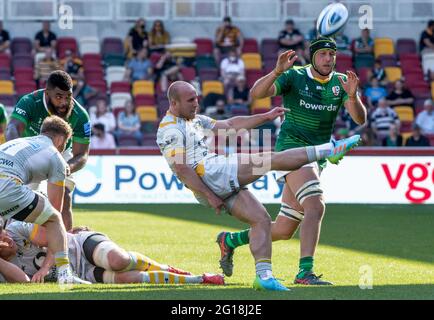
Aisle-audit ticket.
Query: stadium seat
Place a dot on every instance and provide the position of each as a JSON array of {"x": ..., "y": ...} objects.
[
  {"x": 240, "y": 110},
  {"x": 114, "y": 59},
  {"x": 428, "y": 62},
  {"x": 252, "y": 61},
  {"x": 66, "y": 43},
  {"x": 143, "y": 87},
  {"x": 112, "y": 46},
  {"x": 144, "y": 99},
  {"x": 383, "y": 46},
  {"x": 207, "y": 74},
  {"x": 260, "y": 110},
  {"x": 205, "y": 62},
  {"x": 388, "y": 60},
  {"x": 89, "y": 45},
  {"x": 21, "y": 45},
  {"x": 363, "y": 61},
  {"x": 91, "y": 75},
  {"x": 404, "y": 45},
  {"x": 212, "y": 86},
  {"x": 393, "y": 73},
  {"x": 204, "y": 46},
  {"x": 409, "y": 56},
  {"x": 269, "y": 48},
  {"x": 22, "y": 60},
  {"x": 23, "y": 74},
  {"x": 5, "y": 61},
  {"x": 6, "y": 87},
  {"x": 362, "y": 73},
  {"x": 162, "y": 104},
  {"x": 264, "y": 103},
  {"x": 420, "y": 90},
  {"x": 120, "y": 86},
  {"x": 114, "y": 73},
  {"x": 25, "y": 87},
  {"x": 250, "y": 45},
  {"x": 98, "y": 84},
  {"x": 414, "y": 76},
  {"x": 252, "y": 76},
  {"x": 116, "y": 112},
  {"x": 9, "y": 100},
  {"x": 269, "y": 64},
  {"x": 147, "y": 113},
  {"x": 5, "y": 74},
  {"x": 155, "y": 57},
  {"x": 117, "y": 100},
  {"x": 276, "y": 101},
  {"x": 188, "y": 73},
  {"x": 405, "y": 113}
]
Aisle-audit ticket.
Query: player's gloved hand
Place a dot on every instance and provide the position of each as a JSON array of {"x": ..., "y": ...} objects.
[
  {"x": 285, "y": 61},
  {"x": 216, "y": 203},
  {"x": 39, "y": 276}
]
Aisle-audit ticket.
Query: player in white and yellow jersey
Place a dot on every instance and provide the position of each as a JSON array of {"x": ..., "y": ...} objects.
[{"x": 219, "y": 181}]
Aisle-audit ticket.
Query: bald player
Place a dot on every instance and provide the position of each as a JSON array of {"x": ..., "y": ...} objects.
[
  {"x": 31, "y": 160},
  {"x": 219, "y": 181}
]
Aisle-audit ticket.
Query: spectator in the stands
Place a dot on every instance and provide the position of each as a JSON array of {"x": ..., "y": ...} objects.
[
  {"x": 129, "y": 124},
  {"x": 219, "y": 111},
  {"x": 378, "y": 73},
  {"x": 103, "y": 115},
  {"x": 72, "y": 65},
  {"x": 45, "y": 67},
  {"x": 425, "y": 119},
  {"x": 374, "y": 92},
  {"x": 4, "y": 40},
  {"x": 168, "y": 70},
  {"x": 139, "y": 67},
  {"x": 45, "y": 39},
  {"x": 364, "y": 45},
  {"x": 394, "y": 139},
  {"x": 83, "y": 92},
  {"x": 158, "y": 37},
  {"x": 230, "y": 68},
  {"x": 343, "y": 43},
  {"x": 426, "y": 43},
  {"x": 400, "y": 96},
  {"x": 137, "y": 38},
  {"x": 290, "y": 38},
  {"x": 100, "y": 138},
  {"x": 312, "y": 34},
  {"x": 381, "y": 120},
  {"x": 239, "y": 94},
  {"x": 417, "y": 139},
  {"x": 227, "y": 37}
]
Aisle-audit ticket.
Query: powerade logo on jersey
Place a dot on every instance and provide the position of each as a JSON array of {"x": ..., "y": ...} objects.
[
  {"x": 319, "y": 107},
  {"x": 87, "y": 129}
]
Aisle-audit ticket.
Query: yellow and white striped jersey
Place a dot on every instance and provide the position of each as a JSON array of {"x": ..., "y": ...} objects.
[{"x": 176, "y": 136}]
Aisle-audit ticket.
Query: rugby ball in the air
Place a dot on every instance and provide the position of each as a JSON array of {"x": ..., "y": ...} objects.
[{"x": 332, "y": 19}]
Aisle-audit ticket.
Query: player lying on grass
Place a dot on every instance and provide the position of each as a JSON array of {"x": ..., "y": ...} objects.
[
  {"x": 93, "y": 256},
  {"x": 219, "y": 181}
]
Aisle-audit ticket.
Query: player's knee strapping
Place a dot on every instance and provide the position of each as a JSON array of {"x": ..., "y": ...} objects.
[
  {"x": 100, "y": 254},
  {"x": 290, "y": 213},
  {"x": 309, "y": 189},
  {"x": 104, "y": 276},
  {"x": 46, "y": 213}
]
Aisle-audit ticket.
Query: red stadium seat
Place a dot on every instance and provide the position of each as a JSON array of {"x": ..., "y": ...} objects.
[
  {"x": 188, "y": 73},
  {"x": 98, "y": 84},
  {"x": 25, "y": 87},
  {"x": 252, "y": 76},
  {"x": 362, "y": 73},
  {"x": 276, "y": 101},
  {"x": 66, "y": 43},
  {"x": 155, "y": 57},
  {"x": 5, "y": 74},
  {"x": 8, "y": 100},
  {"x": 388, "y": 60},
  {"x": 116, "y": 112},
  {"x": 120, "y": 86},
  {"x": 269, "y": 48},
  {"x": 144, "y": 100},
  {"x": 22, "y": 60},
  {"x": 206, "y": 74},
  {"x": 250, "y": 46},
  {"x": 406, "y": 46},
  {"x": 204, "y": 46},
  {"x": 23, "y": 74},
  {"x": 112, "y": 46},
  {"x": 409, "y": 56},
  {"x": 94, "y": 75},
  {"x": 5, "y": 61},
  {"x": 21, "y": 45}
]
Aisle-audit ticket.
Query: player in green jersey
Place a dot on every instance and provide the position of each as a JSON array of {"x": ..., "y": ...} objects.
[
  {"x": 314, "y": 95},
  {"x": 55, "y": 99},
  {"x": 3, "y": 122}
]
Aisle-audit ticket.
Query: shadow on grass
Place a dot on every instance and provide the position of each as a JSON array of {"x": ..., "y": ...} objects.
[
  {"x": 404, "y": 231},
  {"x": 172, "y": 292}
]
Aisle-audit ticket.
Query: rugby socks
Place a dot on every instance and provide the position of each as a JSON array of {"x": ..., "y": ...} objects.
[
  {"x": 141, "y": 262},
  {"x": 236, "y": 239},
  {"x": 305, "y": 265},
  {"x": 162, "y": 277},
  {"x": 319, "y": 152},
  {"x": 263, "y": 269},
  {"x": 61, "y": 260}
]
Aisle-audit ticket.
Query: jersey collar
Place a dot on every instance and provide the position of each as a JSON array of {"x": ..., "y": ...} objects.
[
  {"x": 45, "y": 103},
  {"x": 309, "y": 73}
]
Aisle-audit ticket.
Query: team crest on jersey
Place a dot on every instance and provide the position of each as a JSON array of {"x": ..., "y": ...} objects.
[{"x": 336, "y": 90}]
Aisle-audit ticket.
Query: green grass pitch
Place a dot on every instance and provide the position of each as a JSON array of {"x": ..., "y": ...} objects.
[{"x": 397, "y": 242}]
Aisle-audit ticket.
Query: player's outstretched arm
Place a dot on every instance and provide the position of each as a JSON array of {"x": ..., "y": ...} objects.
[
  {"x": 80, "y": 153},
  {"x": 264, "y": 87},
  {"x": 12, "y": 273},
  {"x": 249, "y": 122},
  {"x": 354, "y": 105},
  {"x": 14, "y": 129}
]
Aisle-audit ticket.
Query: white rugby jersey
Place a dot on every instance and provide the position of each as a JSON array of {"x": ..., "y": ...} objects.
[{"x": 177, "y": 135}]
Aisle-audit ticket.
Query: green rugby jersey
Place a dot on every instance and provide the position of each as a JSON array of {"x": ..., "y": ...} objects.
[
  {"x": 32, "y": 109},
  {"x": 314, "y": 106}
]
